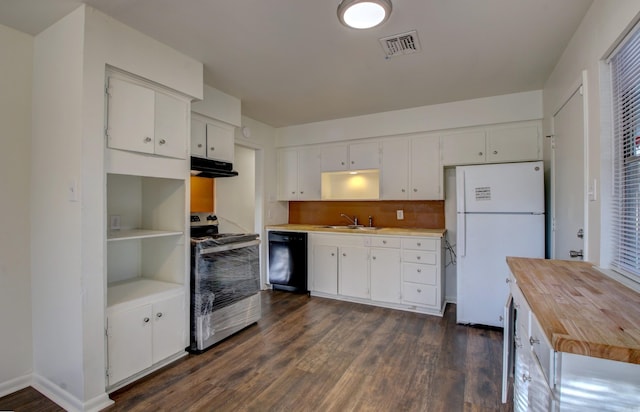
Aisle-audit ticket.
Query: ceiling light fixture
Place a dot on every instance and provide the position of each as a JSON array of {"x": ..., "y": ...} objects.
[{"x": 364, "y": 14}]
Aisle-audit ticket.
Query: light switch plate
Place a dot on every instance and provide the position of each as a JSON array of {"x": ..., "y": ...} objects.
[{"x": 114, "y": 223}]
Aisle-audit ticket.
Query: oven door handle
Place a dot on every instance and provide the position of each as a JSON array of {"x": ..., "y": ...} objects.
[{"x": 229, "y": 246}]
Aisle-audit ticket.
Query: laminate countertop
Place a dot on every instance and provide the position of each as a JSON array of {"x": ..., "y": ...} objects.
[
  {"x": 394, "y": 231},
  {"x": 581, "y": 310}
]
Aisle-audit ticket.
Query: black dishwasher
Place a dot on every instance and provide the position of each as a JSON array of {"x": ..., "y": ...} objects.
[{"x": 288, "y": 261}]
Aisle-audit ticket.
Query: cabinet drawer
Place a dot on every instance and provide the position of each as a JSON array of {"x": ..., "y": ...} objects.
[
  {"x": 415, "y": 256},
  {"x": 416, "y": 273},
  {"x": 522, "y": 312},
  {"x": 420, "y": 294},
  {"x": 378, "y": 241},
  {"x": 419, "y": 244},
  {"x": 542, "y": 350}
]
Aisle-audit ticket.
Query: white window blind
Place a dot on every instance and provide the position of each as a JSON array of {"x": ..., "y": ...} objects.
[{"x": 625, "y": 75}]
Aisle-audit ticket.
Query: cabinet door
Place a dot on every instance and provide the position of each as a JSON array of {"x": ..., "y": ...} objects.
[
  {"x": 129, "y": 342},
  {"x": 521, "y": 379},
  {"x": 385, "y": 275},
  {"x": 220, "y": 142},
  {"x": 130, "y": 117},
  {"x": 171, "y": 125},
  {"x": 168, "y": 327},
  {"x": 334, "y": 158},
  {"x": 426, "y": 171},
  {"x": 514, "y": 144},
  {"x": 395, "y": 169},
  {"x": 287, "y": 175},
  {"x": 364, "y": 155},
  {"x": 198, "y": 138},
  {"x": 325, "y": 269},
  {"x": 309, "y": 174},
  {"x": 463, "y": 148},
  {"x": 353, "y": 272}
]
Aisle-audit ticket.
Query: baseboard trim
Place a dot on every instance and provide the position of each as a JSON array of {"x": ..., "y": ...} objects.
[
  {"x": 58, "y": 395},
  {"x": 14, "y": 385}
]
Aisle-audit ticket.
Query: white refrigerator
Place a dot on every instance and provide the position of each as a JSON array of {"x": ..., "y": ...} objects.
[{"x": 500, "y": 213}]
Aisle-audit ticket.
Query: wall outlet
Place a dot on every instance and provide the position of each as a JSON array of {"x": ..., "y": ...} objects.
[
  {"x": 114, "y": 223},
  {"x": 400, "y": 214}
]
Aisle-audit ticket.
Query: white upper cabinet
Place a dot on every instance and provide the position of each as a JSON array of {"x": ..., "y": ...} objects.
[
  {"x": 355, "y": 156},
  {"x": 212, "y": 139},
  {"x": 495, "y": 144},
  {"x": 463, "y": 148},
  {"x": 144, "y": 120},
  {"x": 299, "y": 174},
  {"x": 411, "y": 169},
  {"x": 514, "y": 144}
]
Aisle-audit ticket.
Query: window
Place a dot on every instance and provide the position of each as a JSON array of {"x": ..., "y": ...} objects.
[{"x": 625, "y": 75}]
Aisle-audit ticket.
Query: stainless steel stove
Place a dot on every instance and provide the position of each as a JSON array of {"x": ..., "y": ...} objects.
[{"x": 225, "y": 282}]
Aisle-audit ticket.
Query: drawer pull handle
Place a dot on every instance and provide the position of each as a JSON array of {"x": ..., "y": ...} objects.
[
  {"x": 526, "y": 378},
  {"x": 146, "y": 320},
  {"x": 533, "y": 341},
  {"x": 384, "y": 242}
]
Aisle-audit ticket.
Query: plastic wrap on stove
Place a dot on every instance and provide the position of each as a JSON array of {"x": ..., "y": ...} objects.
[{"x": 220, "y": 279}]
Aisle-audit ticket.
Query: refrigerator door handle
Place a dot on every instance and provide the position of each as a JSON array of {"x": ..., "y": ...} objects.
[
  {"x": 462, "y": 234},
  {"x": 460, "y": 191}
]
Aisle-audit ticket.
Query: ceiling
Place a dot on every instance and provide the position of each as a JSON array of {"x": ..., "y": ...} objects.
[{"x": 291, "y": 62}]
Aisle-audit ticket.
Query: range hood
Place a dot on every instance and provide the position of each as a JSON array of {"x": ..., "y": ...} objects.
[{"x": 211, "y": 168}]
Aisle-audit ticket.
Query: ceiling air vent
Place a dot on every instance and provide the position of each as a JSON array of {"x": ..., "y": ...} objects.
[{"x": 399, "y": 44}]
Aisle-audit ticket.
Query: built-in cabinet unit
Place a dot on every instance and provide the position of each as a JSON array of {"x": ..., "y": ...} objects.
[
  {"x": 353, "y": 156},
  {"x": 147, "y": 262},
  {"x": 299, "y": 174},
  {"x": 144, "y": 120},
  {"x": 390, "y": 271},
  {"x": 411, "y": 169},
  {"x": 212, "y": 139},
  {"x": 495, "y": 144}
]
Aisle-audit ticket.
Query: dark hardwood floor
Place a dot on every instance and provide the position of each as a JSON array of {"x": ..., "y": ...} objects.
[{"x": 314, "y": 354}]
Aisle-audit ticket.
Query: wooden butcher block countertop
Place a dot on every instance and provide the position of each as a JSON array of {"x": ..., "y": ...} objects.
[{"x": 581, "y": 310}]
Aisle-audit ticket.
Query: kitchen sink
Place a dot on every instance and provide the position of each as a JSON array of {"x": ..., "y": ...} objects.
[{"x": 350, "y": 227}]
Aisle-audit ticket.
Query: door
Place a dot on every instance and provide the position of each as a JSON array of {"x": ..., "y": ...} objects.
[
  {"x": 484, "y": 242},
  {"x": 568, "y": 179}
]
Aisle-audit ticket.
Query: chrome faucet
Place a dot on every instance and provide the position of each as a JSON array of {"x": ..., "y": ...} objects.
[{"x": 353, "y": 221}]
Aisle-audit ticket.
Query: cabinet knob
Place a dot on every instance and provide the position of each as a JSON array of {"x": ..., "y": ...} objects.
[
  {"x": 293, "y": 193},
  {"x": 495, "y": 152},
  {"x": 344, "y": 254},
  {"x": 419, "y": 290},
  {"x": 212, "y": 148},
  {"x": 199, "y": 144},
  {"x": 384, "y": 242},
  {"x": 415, "y": 190},
  {"x": 373, "y": 257},
  {"x": 147, "y": 139},
  {"x": 526, "y": 378},
  {"x": 533, "y": 340},
  {"x": 507, "y": 280},
  {"x": 419, "y": 270},
  {"x": 159, "y": 314},
  {"x": 419, "y": 243},
  {"x": 403, "y": 190},
  {"x": 146, "y": 320},
  {"x": 333, "y": 254},
  {"x": 341, "y": 163},
  {"x": 301, "y": 192},
  {"x": 480, "y": 153},
  {"x": 352, "y": 162},
  {"x": 162, "y": 141},
  {"x": 418, "y": 257}
]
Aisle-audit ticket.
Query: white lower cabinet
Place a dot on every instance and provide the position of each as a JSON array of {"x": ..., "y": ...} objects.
[
  {"x": 399, "y": 272},
  {"x": 140, "y": 336},
  {"x": 353, "y": 272}
]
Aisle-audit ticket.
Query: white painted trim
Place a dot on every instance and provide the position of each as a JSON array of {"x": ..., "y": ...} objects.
[
  {"x": 14, "y": 385},
  {"x": 98, "y": 403},
  {"x": 628, "y": 282},
  {"x": 58, "y": 395},
  {"x": 585, "y": 174}
]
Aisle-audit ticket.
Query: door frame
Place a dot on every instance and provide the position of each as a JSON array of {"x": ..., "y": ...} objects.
[{"x": 579, "y": 86}]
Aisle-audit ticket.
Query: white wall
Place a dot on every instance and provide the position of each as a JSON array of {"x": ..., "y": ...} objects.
[
  {"x": 604, "y": 25},
  {"x": 15, "y": 270},
  {"x": 477, "y": 112},
  {"x": 68, "y": 237},
  {"x": 236, "y": 196}
]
